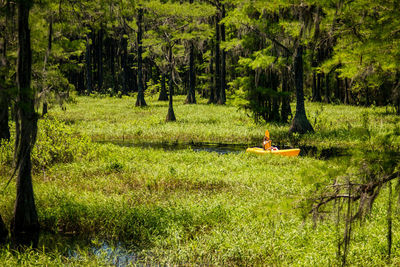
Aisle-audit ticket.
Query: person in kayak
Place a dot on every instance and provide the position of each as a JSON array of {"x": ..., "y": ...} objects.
[{"x": 267, "y": 143}]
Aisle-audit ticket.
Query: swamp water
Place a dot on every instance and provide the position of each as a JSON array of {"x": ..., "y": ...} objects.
[
  {"x": 309, "y": 151},
  {"x": 76, "y": 247}
]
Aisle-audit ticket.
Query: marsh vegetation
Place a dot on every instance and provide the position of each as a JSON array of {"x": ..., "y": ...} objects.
[{"x": 94, "y": 179}]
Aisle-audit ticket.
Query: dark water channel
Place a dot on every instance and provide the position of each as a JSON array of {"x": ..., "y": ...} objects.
[
  {"x": 197, "y": 147},
  {"x": 309, "y": 151},
  {"x": 73, "y": 246}
]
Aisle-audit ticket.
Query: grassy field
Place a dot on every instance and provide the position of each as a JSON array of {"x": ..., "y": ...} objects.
[{"x": 187, "y": 207}]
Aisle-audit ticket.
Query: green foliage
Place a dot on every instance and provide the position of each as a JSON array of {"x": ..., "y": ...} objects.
[
  {"x": 7, "y": 150},
  {"x": 56, "y": 143},
  {"x": 178, "y": 205}
]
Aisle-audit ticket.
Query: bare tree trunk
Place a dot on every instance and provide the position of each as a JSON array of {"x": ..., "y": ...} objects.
[
  {"x": 285, "y": 109},
  {"x": 89, "y": 73},
  {"x": 212, "y": 84},
  {"x": 318, "y": 90},
  {"x": 274, "y": 81},
  {"x": 346, "y": 92},
  {"x": 100, "y": 59},
  {"x": 124, "y": 65},
  {"x": 191, "y": 96},
  {"x": 46, "y": 59},
  {"x": 4, "y": 97},
  {"x": 3, "y": 231},
  {"x": 112, "y": 65},
  {"x": 140, "y": 102},
  {"x": 327, "y": 89},
  {"x": 4, "y": 94},
  {"x": 314, "y": 86},
  {"x": 25, "y": 221},
  {"x": 163, "y": 91},
  {"x": 300, "y": 123},
  {"x": 222, "y": 96},
  {"x": 217, "y": 78},
  {"x": 171, "y": 114},
  {"x": 337, "y": 88}
]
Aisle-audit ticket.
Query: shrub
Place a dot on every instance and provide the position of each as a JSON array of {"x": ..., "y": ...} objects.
[{"x": 57, "y": 143}]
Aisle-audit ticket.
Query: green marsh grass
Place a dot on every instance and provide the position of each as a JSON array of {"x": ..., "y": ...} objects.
[{"x": 185, "y": 207}]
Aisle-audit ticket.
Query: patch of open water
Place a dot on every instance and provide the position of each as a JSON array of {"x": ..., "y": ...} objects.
[
  {"x": 75, "y": 246},
  {"x": 309, "y": 151}
]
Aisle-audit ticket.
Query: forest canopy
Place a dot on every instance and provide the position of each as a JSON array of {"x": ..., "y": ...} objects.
[{"x": 240, "y": 51}]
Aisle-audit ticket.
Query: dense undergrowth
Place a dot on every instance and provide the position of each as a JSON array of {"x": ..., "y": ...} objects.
[{"x": 187, "y": 207}]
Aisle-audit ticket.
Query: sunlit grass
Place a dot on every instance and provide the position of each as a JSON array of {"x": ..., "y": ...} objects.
[
  {"x": 186, "y": 207},
  {"x": 118, "y": 119}
]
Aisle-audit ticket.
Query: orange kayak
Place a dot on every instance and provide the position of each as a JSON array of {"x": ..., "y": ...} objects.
[{"x": 294, "y": 152}]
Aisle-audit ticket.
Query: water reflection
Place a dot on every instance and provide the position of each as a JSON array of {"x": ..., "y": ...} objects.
[
  {"x": 305, "y": 151},
  {"x": 72, "y": 246},
  {"x": 197, "y": 147}
]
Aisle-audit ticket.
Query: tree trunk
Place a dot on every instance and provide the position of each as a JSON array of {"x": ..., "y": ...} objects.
[
  {"x": 112, "y": 65},
  {"x": 124, "y": 65},
  {"x": 4, "y": 97},
  {"x": 346, "y": 92},
  {"x": 212, "y": 86},
  {"x": 171, "y": 114},
  {"x": 285, "y": 109},
  {"x": 46, "y": 59},
  {"x": 337, "y": 88},
  {"x": 222, "y": 96},
  {"x": 100, "y": 60},
  {"x": 327, "y": 89},
  {"x": 140, "y": 102},
  {"x": 314, "y": 86},
  {"x": 318, "y": 90},
  {"x": 191, "y": 96},
  {"x": 4, "y": 105},
  {"x": 89, "y": 87},
  {"x": 300, "y": 123},
  {"x": 3, "y": 231},
  {"x": 163, "y": 91},
  {"x": 217, "y": 78},
  {"x": 274, "y": 81},
  {"x": 25, "y": 221}
]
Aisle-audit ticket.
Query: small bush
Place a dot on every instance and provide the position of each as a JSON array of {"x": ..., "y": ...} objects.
[
  {"x": 57, "y": 143},
  {"x": 6, "y": 152}
]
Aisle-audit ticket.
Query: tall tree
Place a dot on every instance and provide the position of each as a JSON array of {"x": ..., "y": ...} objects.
[
  {"x": 191, "y": 95},
  {"x": 163, "y": 91},
  {"x": 300, "y": 123},
  {"x": 222, "y": 94},
  {"x": 46, "y": 59},
  {"x": 4, "y": 66},
  {"x": 217, "y": 74},
  {"x": 25, "y": 219},
  {"x": 171, "y": 113},
  {"x": 4, "y": 94},
  {"x": 88, "y": 58},
  {"x": 140, "y": 102}
]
